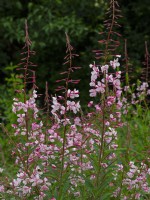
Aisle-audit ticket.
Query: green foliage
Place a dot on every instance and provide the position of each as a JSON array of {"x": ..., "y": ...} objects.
[
  {"x": 7, "y": 117},
  {"x": 48, "y": 21},
  {"x": 134, "y": 137},
  {"x": 8, "y": 90}
]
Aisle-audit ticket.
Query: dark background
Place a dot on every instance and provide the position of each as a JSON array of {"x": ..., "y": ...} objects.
[{"x": 48, "y": 20}]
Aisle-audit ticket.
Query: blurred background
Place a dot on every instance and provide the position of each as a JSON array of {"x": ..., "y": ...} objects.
[{"x": 48, "y": 20}]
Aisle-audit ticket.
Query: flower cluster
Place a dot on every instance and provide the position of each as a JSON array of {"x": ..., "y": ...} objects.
[
  {"x": 138, "y": 94},
  {"x": 30, "y": 175},
  {"x": 135, "y": 181},
  {"x": 99, "y": 86}
]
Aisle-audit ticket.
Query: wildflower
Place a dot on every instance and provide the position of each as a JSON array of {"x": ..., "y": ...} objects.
[
  {"x": 75, "y": 107},
  {"x": 114, "y": 63},
  {"x": 93, "y": 93},
  {"x": 100, "y": 87},
  {"x": 137, "y": 196},
  {"x": 118, "y": 74},
  {"x": 55, "y": 105},
  {"x": 110, "y": 100},
  {"x": 109, "y": 78},
  {"x": 90, "y": 103},
  {"x": 26, "y": 189},
  {"x": 35, "y": 179},
  {"x": 120, "y": 167},
  {"x": 16, "y": 182},
  {"x": 94, "y": 75},
  {"x": 104, "y": 165},
  {"x": 2, "y": 188},
  {"x": 116, "y": 83},
  {"x": 73, "y": 94},
  {"x": 104, "y": 68},
  {"x": 77, "y": 121}
]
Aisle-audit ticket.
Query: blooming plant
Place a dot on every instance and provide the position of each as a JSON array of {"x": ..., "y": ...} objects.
[{"x": 63, "y": 153}]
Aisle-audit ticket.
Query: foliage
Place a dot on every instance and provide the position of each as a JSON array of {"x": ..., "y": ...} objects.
[
  {"x": 8, "y": 91},
  {"x": 49, "y": 20}
]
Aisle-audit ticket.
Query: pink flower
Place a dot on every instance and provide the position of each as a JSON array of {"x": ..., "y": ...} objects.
[
  {"x": 109, "y": 78},
  {"x": 104, "y": 68},
  {"x": 73, "y": 94},
  {"x": 34, "y": 94},
  {"x": 26, "y": 189},
  {"x": 76, "y": 194},
  {"x": 112, "y": 156},
  {"x": 98, "y": 108},
  {"x": 16, "y": 182},
  {"x": 94, "y": 75},
  {"x": 77, "y": 121},
  {"x": 14, "y": 109},
  {"x": 118, "y": 93},
  {"x": 115, "y": 194},
  {"x": 36, "y": 180},
  {"x": 55, "y": 105},
  {"x": 119, "y": 105},
  {"x": 90, "y": 103},
  {"x": 75, "y": 107},
  {"x": 114, "y": 146},
  {"x": 100, "y": 87},
  {"x": 92, "y": 93},
  {"x": 44, "y": 187},
  {"x": 104, "y": 165},
  {"x": 107, "y": 123},
  {"x": 116, "y": 83},
  {"x": 2, "y": 188},
  {"x": 137, "y": 196},
  {"x": 62, "y": 110},
  {"x": 35, "y": 126},
  {"x": 120, "y": 167},
  {"x": 118, "y": 74},
  {"x": 130, "y": 175},
  {"x": 115, "y": 63},
  {"x": 110, "y": 100}
]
